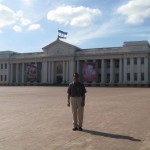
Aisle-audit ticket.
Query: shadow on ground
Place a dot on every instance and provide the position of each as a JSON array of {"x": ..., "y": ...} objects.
[{"x": 110, "y": 135}]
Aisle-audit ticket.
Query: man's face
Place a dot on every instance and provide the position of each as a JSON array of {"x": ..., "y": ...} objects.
[{"x": 75, "y": 78}]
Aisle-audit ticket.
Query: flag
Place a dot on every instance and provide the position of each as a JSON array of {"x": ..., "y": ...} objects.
[{"x": 62, "y": 34}]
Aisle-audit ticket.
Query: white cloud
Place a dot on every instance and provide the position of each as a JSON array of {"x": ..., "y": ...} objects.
[
  {"x": 7, "y": 16},
  {"x": 28, "y": 2},
  {"x": 19, "y": 13},
  {"x": 74, "y": 16},
  {"x": 34, "y": 27},
  {"x": 17, "y": 28},
  {"x": 25, "y": 22},
  {"x": 135, "y": 10},
  {"x": 97, "y": 31}
]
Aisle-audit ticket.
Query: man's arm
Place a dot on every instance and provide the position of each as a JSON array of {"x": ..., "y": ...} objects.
[
  {"x": 83, "y": 101},
  {"x": 69, "y": 95},
  {"x": 68, "y": 100}
]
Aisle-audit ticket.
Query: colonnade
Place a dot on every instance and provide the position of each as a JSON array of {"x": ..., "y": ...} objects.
[{"x": 17, "y": 71}]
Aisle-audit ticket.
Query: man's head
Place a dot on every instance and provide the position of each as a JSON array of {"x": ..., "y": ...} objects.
[{"x": 75, "y": 77}]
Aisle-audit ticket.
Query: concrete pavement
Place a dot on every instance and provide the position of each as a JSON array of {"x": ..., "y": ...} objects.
[{"x": 37, "y": 118}]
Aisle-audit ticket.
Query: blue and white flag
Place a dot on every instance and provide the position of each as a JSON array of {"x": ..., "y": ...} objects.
[{"x": 62, "y": 34}]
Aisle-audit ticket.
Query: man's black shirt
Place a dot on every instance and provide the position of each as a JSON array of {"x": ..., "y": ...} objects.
[{"x": 76, "y": 89}]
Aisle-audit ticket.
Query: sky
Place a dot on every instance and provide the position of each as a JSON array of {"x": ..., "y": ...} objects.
[{"x": 29, "y": 25}]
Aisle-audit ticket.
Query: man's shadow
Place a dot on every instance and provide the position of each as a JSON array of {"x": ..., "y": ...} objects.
[{"x": 110, "y": 135}]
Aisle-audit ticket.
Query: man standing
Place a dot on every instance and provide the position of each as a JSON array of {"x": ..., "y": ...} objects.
[{"x": 76, "y": 96}]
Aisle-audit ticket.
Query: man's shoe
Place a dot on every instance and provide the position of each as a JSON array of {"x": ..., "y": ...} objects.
[
  {"x": 80, "y": 129},
  {"x": 75, "y": 129}
]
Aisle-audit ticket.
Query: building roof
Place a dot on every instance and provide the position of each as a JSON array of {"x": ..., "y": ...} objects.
[{"x": 60, "y": 42}]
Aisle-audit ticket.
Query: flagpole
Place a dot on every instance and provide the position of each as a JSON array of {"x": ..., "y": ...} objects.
[{"x": 58, "y": 35}]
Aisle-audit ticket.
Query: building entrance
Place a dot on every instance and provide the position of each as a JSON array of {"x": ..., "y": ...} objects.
[{"x": 59, "y": 79}]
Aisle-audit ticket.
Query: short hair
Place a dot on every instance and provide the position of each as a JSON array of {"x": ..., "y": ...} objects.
[{"x": 75, "y": 74}]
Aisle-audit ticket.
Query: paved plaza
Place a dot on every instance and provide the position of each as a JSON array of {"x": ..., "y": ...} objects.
[{"x": 37, "y": 118}]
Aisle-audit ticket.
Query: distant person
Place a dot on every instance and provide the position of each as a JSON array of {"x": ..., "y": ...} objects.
[{"x": 76, "y": 96}]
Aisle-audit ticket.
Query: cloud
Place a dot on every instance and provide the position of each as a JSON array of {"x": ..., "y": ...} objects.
[
  {"x": 34, "y": 27},
  {"x": 135, "y": 10},
  {"x": 74, "y": 16},
  {"x": 96, "y": 31},
  {"x": 28, "y": 2},
  {"x": 25, "y": 22},
  {"x": 7, "y": 16},
  {"x": 17, "y": 28},
  {"x": 19, "y": 14}
]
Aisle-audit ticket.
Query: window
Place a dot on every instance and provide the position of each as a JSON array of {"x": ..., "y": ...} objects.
[
  {"x": 108, "y": 78},
  {"x": 1, "y": 77},
  {"x": 116, "y": 77},
  {"x": 128, "y": 61},
  {"x": 99, "y": 64},
  {"x": 142, "y": 60},
  {"x": 142, "y": 76},
  {"x": 5, "y": 77},
  {"x": 99, "y": 77},
  {"x": 108, "y": 63},
  {"x": 117, "y": 63},
  {"x": 128, "y": 76},
  {"x": 59, "y": 69},
  {"x": 1, "y": 66},
  {"x": 90, "y": 60},
  {"x": 135, "y": 76},
  {"x": 135, "y": 61},
  {"x": 5, "y": 66}
]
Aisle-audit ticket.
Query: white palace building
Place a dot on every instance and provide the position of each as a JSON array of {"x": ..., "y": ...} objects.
[{"x": 128, "y": 65}]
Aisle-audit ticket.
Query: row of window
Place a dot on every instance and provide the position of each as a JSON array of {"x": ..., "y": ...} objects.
[
  {"x": 135, "y": 61},
  {"x": 116, "y": 77},
  {"x": 3, "y": 66},
  {"x": 107, "y": 78},
  {"x": 116, "y": 62},
  {"x": 135, "y": 77},
  {"x": 3, "y": 78}
]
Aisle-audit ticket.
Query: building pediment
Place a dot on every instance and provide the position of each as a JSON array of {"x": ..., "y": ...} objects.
[{"x": 59, "y": 48}]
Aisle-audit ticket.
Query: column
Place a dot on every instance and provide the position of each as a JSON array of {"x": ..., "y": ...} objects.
[
  {"x": 8, "y": 73},
  {"x": 52, "y": 72},
  {"x": 49, "y": 72},
  {"x": 17, "y": 72},
  {"x": 44, "y": 72},
  {"x": 139, "y": 70},
  {"x": 71, "y": 69},
  {"x": 22, "y": 73},
  {"x": 131, "y": 70},
  {"x": 97, "y": 70},
  {"x": 64, "y": 72},
  {"x": 120, "y": 71},
  {"x": 125, "y": 70},
  {"x": 67, "y": 72},
  {"x": 11, "y": 73},
  {"x": 146, "y": 70},
  {"x": 78, "y": 66},
  {"x": 103, "y": 71},
  {"x": 111, "y": 71}
]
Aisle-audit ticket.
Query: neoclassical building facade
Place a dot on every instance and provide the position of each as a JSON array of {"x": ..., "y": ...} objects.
[{"x": 128, "y": 65}]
